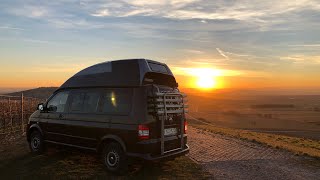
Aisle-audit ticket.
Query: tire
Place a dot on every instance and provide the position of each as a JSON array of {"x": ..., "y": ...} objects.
[
  {"x": 114, "y": 158},
  {"x": 36, "y": 143}
]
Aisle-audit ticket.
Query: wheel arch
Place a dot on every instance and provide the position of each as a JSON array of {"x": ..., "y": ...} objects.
[
  {"x": 111, "y": 138},
  {"x": 33, "y": 127}
]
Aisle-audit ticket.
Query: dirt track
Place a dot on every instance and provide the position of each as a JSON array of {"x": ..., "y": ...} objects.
[{"x": 230, "y": 158}]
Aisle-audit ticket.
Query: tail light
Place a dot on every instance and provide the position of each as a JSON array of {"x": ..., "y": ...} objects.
[
  {"x": 185, "y": 126},
  {"x": 143, "y": 132}
]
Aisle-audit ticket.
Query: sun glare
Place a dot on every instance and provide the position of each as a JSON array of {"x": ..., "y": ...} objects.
[
  {"x": 206, "y": 82},
  {"x": 206, "y": 78}
]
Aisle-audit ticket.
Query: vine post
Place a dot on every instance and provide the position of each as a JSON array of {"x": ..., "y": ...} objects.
[{"x": 22, "y": 119}]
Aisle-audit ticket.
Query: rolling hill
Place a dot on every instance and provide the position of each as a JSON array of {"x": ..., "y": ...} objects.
[{"x": 41, "y": 92}]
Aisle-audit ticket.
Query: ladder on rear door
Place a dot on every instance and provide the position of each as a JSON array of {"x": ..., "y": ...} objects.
[{"x": 165, "y": 103}]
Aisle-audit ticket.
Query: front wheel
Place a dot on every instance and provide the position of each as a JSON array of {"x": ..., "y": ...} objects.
[
  {"x": 36, "y": 143},
  {"x": 114, "y": 158}
]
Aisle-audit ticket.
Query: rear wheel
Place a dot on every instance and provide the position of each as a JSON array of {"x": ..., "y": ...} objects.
[
  {"x": 36, "y": 143},
  {"x": 114, "y": 158}
]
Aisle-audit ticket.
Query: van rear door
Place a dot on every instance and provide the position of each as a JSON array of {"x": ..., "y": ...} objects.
[{"x": 167, "y": 106}]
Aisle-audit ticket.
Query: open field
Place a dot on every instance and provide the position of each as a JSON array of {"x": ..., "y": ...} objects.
[
  {"x": 297, "y": 116},
  {"x": 286, "y": 126}
]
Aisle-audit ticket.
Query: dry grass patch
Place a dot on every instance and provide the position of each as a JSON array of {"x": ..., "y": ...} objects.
[{"x": 65, "y": 163}]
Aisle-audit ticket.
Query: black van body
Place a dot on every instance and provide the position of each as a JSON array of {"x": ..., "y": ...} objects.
[{"x": 124, "y": 108}]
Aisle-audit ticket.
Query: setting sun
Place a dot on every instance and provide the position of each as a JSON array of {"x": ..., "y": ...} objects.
[
  {"x": 206, "y": 82},
  {"x": 206, "y": 77}
]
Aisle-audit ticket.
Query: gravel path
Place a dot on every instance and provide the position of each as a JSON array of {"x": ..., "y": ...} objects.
[{"x": 230, "y": 158}]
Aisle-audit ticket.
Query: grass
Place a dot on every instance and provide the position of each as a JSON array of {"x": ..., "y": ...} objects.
[
  {"x": 296, "y": 145},
  {"x": 63, "y": 163}
]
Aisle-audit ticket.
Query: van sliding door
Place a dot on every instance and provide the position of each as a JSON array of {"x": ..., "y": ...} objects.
[{"x": 86, "y": 123}]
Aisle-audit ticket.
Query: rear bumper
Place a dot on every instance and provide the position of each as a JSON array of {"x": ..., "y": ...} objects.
[{"x": 149, "y": 157}]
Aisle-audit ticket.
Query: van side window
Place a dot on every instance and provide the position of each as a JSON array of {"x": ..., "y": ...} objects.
[
  {"x": 117, "y": 101},
  {"x": 58, "y": 102},
  {"x": 77, "y": 102},
  {"x": 84, "y": 102},
  {"x": 91, "y": 101}
]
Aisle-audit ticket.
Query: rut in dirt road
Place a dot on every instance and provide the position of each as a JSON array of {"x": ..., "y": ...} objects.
[{"x": 231, "y": 158}]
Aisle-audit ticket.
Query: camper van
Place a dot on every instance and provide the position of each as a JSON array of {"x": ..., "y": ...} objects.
[{"x": 124, "y": 109}]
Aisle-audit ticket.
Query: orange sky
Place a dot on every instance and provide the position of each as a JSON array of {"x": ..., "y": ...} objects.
[{"x": 187, "y": 77}]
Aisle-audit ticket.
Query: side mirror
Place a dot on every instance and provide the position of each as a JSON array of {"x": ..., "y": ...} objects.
[
  {"x": 52, "y": 108},
  {"x": 40, "y": 107}
]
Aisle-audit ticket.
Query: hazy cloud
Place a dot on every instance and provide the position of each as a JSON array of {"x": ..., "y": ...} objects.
[
  {"x": 305, "y": 45},
  {"x": 192, "y": 51},
  {"x": 208, "y": 10},
  {"x": 204, "y": 21},
  {"x": 101, "y": 13},
  {"x": 250, "y": 33},
  {"x": 32, "y": 11},
  {"x": 222, "y": 53},
  {"x": 301, "y": 58},
  {"x": 11, "y": 28},
  {"x": 256, "y": 15}
]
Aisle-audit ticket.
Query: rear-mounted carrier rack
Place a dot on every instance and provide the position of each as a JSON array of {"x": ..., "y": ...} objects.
[{"x": 164, "y": 104}]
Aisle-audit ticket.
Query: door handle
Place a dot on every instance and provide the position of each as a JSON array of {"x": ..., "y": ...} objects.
[{"x": 60, "y": 116}]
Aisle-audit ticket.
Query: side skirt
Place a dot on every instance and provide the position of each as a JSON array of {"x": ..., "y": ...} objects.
[{"x": 71, "y": 145}]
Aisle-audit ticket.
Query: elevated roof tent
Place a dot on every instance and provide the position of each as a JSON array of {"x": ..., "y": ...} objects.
[{"x": 122, "y": 73}]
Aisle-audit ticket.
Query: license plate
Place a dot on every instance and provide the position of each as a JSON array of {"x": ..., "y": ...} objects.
[{"x": 170, "y": 131}]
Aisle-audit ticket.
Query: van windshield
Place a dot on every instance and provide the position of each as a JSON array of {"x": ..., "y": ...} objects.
[{"x": 160, "y": 79}]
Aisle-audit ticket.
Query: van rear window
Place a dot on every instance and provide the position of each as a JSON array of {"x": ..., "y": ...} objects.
[
  {"x": 160, "y": 79},
  {"x": 158, "y": 68}
]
